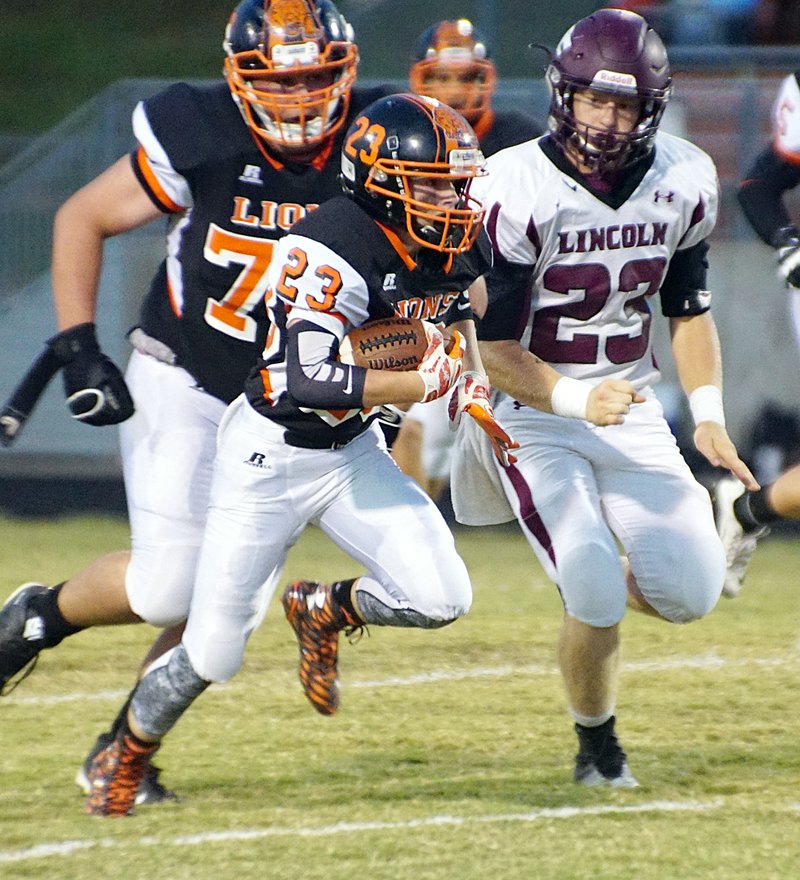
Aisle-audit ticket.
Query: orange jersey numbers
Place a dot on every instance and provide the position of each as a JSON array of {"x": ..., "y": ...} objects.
[
  {"x": 232, "y": 313},
  {"x": 295, "y": 266},
  {"x": 372, "y": 137}
]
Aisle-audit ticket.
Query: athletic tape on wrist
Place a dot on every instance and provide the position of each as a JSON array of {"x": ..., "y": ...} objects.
[
  {"x": 570, "y": 398},
  {"x": 705, "y": 403}
]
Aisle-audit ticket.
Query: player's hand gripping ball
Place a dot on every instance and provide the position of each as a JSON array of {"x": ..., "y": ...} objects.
[{"x": 386, "y": 344}]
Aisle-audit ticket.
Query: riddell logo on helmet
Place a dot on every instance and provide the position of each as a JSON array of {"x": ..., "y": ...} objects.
[{"x": 612, "y": 78}]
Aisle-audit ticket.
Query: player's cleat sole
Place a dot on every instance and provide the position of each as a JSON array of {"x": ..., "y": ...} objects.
[
  {"x": 317, "y": 619},
  {"x": 739, "y": 546},
  {"x": 150, "y": 791},
  {"x": 587, "y": 773},
  {"x": 22, "y": 636},
  {"x": 115, "y": 774}
]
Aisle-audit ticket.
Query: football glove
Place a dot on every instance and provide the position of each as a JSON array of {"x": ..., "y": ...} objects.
[
  {"x": 472, "y": 397},
  {"x": 439, "y": 368},
  {"x": 95, "y": 388},
  {"x": 787, "y": 244}
]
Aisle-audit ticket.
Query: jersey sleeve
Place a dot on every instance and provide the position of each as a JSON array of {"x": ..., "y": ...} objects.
[
  {"x": 168, "y": 189},
  {"x": 702, "y": 199},
  {"x": 786, "y": 120},
  {"x": 323, "y": 297}
]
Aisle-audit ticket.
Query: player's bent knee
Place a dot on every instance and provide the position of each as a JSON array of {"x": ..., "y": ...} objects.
[{"x": 160, "y": 600}]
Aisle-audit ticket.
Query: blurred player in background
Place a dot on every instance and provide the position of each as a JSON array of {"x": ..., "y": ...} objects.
[
  {"x": 232, "y": 166},
  {"x": 452, "y": 62},
  {"x": 744, "y": 518},
  {"x": 300, "y": 445},
  {"x": 586, "y": 224}
]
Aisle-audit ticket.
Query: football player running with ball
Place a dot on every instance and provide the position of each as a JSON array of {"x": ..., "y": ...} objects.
[
  {"x": 588, "y": 224},
  {"x": 301, "y": 444},
  {"x": 232, "y": 165}
]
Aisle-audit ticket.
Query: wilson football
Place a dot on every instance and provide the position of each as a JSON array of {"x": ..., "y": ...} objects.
[{"x": 385, "y": 344}]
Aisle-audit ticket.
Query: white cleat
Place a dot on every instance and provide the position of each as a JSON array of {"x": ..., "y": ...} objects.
[{"x": 739, "y": 546}]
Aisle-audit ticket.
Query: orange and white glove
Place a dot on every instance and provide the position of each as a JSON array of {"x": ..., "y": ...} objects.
[
  {"x": 472, "y": 397},
  {"x": 440, "y": 368}
]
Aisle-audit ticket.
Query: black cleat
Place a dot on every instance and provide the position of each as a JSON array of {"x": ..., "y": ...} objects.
[
  {"x": 601, "y": 760},
  {"x": 22, "y": 635},
  {"x": 150, "y": 790}
]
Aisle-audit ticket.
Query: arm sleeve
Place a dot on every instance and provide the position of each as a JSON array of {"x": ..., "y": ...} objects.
[
  {"x": 760, "y": 194},
  {"x": 314, "y": 377},
  {"x": 684, "y": 290},
  {"x": 509, "y": 289}
]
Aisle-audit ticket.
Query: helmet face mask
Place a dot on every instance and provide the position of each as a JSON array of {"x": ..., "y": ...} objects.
[
  {"x": 615, "y": 53},
  {"x": 451, "y": 62},
  {"x": 290, "y": 66},
  {"x": 408, "y": 161}
]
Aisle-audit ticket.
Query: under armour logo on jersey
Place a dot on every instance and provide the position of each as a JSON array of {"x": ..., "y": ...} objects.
[
  {"x": 666, "y": 196},
  {"x": 257, "y": 460},
  {"x": 390, "y": 281},
  {"x": 251, "y": 174}
]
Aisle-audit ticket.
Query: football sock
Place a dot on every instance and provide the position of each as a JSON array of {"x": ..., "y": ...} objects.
[
  {"x": 56, "y": 627},
  {"x": 753, "y": 511},
  {"x": 342, "y": 593}
]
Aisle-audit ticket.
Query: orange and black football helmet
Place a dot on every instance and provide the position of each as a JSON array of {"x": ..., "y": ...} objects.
[
  {"x": 451, "y": 62},
  {"x": 403, "y": 144},
  {"x": 290, "y": 65}
]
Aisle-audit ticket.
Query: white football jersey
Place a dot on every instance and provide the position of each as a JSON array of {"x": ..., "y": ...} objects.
[
  {"x": 786, "y": 120},
  {"x": 594, "y": 265}
]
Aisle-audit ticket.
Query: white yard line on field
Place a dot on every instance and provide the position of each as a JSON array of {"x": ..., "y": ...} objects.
[
  {"x": 705, "y": 661},
  {"x": 69, "y": 847}
]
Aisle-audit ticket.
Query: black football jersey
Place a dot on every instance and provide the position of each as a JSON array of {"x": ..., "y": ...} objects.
[
  {"x": 336, "y": 270},
  {"x": 505, "y": 128},
  {"x": 230, "y": 203}
]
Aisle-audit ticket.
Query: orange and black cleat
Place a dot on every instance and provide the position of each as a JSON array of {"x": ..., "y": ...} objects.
[
  {"x": 317, "y": 619},
  {"x": 115, "y": 775}
]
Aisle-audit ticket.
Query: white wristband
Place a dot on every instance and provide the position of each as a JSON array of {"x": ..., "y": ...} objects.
[
  {"x": 705, "y": 403},
  {"x": 570, "y": 398}
]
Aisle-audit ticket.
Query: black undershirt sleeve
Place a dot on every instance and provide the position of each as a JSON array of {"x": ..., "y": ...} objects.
[
  {"x": 684, "y": 289},
  {"x": 760, "y": 194},
  {"x": 508, "y": 286}
]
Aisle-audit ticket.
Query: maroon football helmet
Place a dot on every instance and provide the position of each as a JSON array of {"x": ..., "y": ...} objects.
[{"x": 613, "y": 51}]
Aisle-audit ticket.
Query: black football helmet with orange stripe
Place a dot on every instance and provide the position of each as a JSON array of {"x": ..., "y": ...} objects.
[
  {"x": 403, "y": 144},
  {"x": 290, "y": 65},
  {"x": 451, "y": 62}
]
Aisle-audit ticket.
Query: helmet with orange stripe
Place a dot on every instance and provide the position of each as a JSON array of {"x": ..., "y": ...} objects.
[
  {"x": 408, "y": 161},
  {"x": 290, "y": 65}
]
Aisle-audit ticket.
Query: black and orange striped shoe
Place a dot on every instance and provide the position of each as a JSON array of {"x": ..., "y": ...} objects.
[
  {"x": 115, "y": 775},
  {"x": 317, "y": 619}
]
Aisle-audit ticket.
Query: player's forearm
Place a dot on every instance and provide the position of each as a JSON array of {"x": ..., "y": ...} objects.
[
  {"x": 696, "y": 350},
  {"x": 519, "y": 373},
  {"x": 76, "y": 261}
]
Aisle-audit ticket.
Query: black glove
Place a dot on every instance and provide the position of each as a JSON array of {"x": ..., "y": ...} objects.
[
  {"x": 787, "y": 244},
  {"x": 96, "y": 391}
]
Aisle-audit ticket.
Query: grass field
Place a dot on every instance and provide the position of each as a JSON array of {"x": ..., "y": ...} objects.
[{"x": 451, "y": 754}]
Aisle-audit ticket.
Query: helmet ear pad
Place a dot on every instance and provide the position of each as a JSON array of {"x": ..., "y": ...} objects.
[
  {"x": 405, "y": 139},
  {"x": 616, "y": 52}
]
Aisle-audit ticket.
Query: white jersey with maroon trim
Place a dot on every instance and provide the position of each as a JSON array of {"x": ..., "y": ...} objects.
[
  {"x": 336, "y": 270},
  {"x": 786, "y": 120},
  {"x": 595, "y": 260},
  {"x": 198, "y": 161}
]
